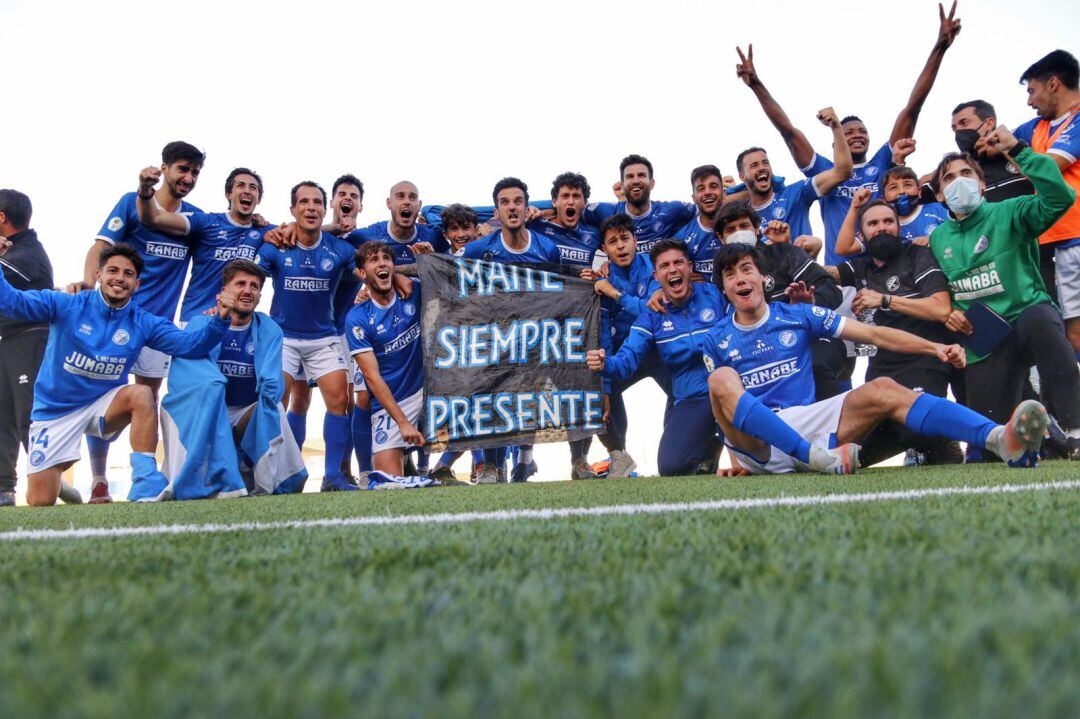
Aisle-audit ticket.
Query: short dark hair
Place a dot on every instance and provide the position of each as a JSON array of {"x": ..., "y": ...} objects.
[
  {"x": 981, "y": 108},
  {"x": 367, "y": 249},
  {"x": 900, "y": 172},
  {"x": 867, "y": 207},
  {"x": 458, "y": 214},
  {"x": 243, "y": 171},
  {"x": 669, "y": 244},
  {"x": 744, "y": 153},
  {"x": 730, "y": 255},
  {"x": 1059, "y": 64},
  {"x": 951, "y": 157},
  {"x": 505, "y": 184},
  {"x": 347, "y": 179},
  {"x": 122, "y": 249},
  {"x": 615, "y": 223},
  {"x": 305, "y": 183},
  {"x": 178, "y": 150},
  {"x": 242, "y": 266},
  {"x": 731, "y": 211},
  {"x": 634, "y": 160},
  {"x": 17, "y": 208},
  {"x": 700, "y": 173},
  {"x": 572, "y": 180},
  {"x": 851, "y": 118}
]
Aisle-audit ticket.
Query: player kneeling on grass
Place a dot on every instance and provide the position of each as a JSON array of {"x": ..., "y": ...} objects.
[
  {"x": 762, "y": 387},
  {"x": 384, "y": 338},
  {"x": 82, "y": 387}
]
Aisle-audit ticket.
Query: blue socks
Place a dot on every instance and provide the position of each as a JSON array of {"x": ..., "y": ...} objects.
[
  {"x": 361, "y": 437},
  {"x": 754, "y": 418},
  {"x": 335, "y": 432},
  {"x": 298, "y": 425},
  {"x": 938, "y": 417}
]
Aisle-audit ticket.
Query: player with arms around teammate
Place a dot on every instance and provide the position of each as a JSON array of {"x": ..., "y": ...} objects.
[
  {"x": 305, "y": 278},
  {"x": 82, "y": 387},
  {"x": 576, "y": 240},
  {"x": 401, "y": 233},
  {"x": 689, "y": 436},
  {"x": 384, "y": 338},
  {"x": 762, "y": 390},
  {"x": 214, "y": 238},
  {"x": 166, "y": 260}
]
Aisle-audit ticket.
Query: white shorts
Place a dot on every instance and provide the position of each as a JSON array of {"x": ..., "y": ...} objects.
[
  {"x": 151, "y": 363},
  {"x": 1067, "y": 274},
  {"x": 237, "y": 413},
  {"x": 384, "y": 430},
  {"x": 316, "y": 358},
  {"x": 57, "y": 441},
  {"x": 355, "y": 376},
  {"x": 817, "y": 423}
]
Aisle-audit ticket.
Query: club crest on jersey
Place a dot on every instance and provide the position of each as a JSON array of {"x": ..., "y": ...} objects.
[
  {"x": 410, "y": 310},
  {"x": 327, "y": 264},
  {"x": 357, "y": 332},
  {"x": 121, "y": 337},
  {"x": 657, "y": 226},
  {"x": 707, "y": 315},
  {"x": 981, "y": 245},
  {"x": 115, "y": 223},
  {"x": 1011, "y": 168},
  {"x": 787, "y": 338},
  {"x": 779, "y": 213},
  {"x": 892, "y": 284},
  {"x": 871, "y": 171},
  {"x": 250, "y": 348},
  {"x": 819, "y": 311},
  {"x": 253, "y": 234}
]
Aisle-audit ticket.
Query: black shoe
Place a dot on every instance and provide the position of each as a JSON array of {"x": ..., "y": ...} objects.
[{"x": 7, "y": 499}]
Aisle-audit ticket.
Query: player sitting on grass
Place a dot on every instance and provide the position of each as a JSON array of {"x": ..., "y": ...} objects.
[
  {"x": 762, "y": 387},
  {"x": 384, "y": 338},
  {"x": 82, "y": 388}
]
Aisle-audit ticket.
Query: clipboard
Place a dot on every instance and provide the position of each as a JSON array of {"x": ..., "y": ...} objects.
[{"x": 989, "y": 329}]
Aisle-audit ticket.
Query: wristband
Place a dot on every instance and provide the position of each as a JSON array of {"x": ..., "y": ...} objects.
[
  {"x": 145, "y": 197},
  {"x": 1016, "y": 149}
]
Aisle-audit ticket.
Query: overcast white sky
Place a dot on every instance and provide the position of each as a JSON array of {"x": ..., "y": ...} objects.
[{"x": 457, "y": 95}]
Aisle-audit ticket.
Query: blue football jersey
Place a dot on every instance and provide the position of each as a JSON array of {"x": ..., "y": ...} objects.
[
  {"x": 791, "y": 204},
  {"x": 637, "y": 284},
  {"x": 215, "y": 241},
  {"x": 380, "y": 232},
  {"x": 774, "y": 358},
  {"x": 305, "y": 279},
  {"x": 392, "y": 333},
  {"x": 703, "y": 244},
  {"x": 577, "y": 245},
  {"x": 92, "y": 345},
  {"x": 236, "y": 361},
  {"x": 492, "y": 248},
  {"x": 166, "y": 258},
  {"x": 924, "y": 220},
  {"x": 834, "y": 206},
  {"x": 662, "y": 220},
  {"x": 678, "y": 336}
]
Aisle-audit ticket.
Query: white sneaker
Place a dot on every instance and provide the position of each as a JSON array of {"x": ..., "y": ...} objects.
[
  {"x": 841, "y": 460},
  {"x": 620, "y": 464},
  {"x": 488, "y": 475}
]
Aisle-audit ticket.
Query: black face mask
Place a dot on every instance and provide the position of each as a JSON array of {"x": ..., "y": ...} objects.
[
  {"x": 966, "y": 139},
  {"x": 884, "y": 247}
]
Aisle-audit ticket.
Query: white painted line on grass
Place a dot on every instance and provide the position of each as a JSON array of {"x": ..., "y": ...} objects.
[{"x": 505, "y": 515}]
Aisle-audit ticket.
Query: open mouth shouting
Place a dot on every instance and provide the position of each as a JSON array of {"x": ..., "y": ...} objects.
[
  {"x": 247, "y": 203},
  {"x": 406, "y": 215},
  {"x": 346, "y": 207}
]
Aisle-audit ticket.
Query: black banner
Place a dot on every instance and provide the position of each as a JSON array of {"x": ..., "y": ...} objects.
[{"x": 504, "y": 354}]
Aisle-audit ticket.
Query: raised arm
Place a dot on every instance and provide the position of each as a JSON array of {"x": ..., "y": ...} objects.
[
  {"x": 1034, "y": 214},
  {"x": 948, "y": 29},
  {"x": 800, "y": 148},
  {"x": 150, "y": 214},
  {"x": 847, "y": 243},
  {"x": 166, "y": 337},
  {"x": 827, "y": 181}
]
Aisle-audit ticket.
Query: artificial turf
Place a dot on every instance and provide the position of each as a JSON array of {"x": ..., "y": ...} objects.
[{"x": 959, "y": 605}]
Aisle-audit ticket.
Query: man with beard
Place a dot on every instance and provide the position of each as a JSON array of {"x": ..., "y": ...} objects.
[
  {"x": 652, "y": 220},
  {"x": 689, "y": 435},
  {"x": 791, "y": 204},
  {"x": 82, "y": 386},
  {"x": 514, "y": 242},
  {"x": 763, "y": 397},
  {"x": 901, "y": 284},
  {"x": 708, "y": 187},
  {"x": 401, "y": 233},
  {"x": 867, "y": 170},
  {"x": 384, "y": 339},
  {"x": 305, "y": 277},
  {"x": 166, "y": 261},
  {"x": 972, "y": 122},
  {"x": 901, "y": 190},
  {"x": 215, "y": 239}
]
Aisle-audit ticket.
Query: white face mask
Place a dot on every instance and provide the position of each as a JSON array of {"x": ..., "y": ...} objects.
[
  {"x": 741, "y": 237},
  {"x": 963, "y": 196}
]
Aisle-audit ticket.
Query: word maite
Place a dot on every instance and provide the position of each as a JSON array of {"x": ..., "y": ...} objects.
[{"x": 504, "y": 354}]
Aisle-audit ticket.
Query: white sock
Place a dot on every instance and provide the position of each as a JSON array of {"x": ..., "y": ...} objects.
[
  {"x": 525, "y": 455},
  {"x": 99, "y": 479}
]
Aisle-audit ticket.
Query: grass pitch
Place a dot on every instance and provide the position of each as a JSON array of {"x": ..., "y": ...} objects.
[{"x": 957, "y": 605}]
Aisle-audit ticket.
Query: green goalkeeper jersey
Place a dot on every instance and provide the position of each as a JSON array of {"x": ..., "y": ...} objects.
[{"x": 992, "y": 255}]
